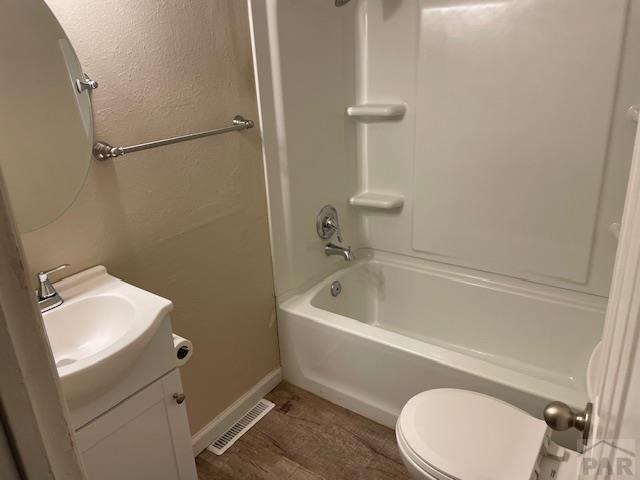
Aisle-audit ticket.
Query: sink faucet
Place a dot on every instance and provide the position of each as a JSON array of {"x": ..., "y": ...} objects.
[
  {"x": 48, "y": 298},
  {"x": 344, "y": 252}
]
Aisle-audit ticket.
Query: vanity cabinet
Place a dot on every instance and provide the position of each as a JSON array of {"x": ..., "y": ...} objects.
[{"x": 144, "y": 437}]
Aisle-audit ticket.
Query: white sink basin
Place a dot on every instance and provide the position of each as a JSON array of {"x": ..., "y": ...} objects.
[
  {"x": 100, "y": 329},
  {"x": 87, "y": 326}
]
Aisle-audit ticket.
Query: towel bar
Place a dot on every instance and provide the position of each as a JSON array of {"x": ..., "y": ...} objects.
[{"x": 103, "y": 151}]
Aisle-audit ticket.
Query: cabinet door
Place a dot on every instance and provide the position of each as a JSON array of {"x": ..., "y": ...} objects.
[{"x": 145, "y": 437}]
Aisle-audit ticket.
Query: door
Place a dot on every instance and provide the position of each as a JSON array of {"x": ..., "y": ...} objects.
[
  {"x": 8, "y": 466},
  {"x": 614, "y": 445}
]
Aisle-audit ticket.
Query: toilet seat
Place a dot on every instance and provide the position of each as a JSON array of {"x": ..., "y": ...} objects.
[
  {"x": 416, "y": 463},
  {"x": 455, "y": 434}
]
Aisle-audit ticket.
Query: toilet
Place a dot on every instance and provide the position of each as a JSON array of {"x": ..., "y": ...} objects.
[{"x": 451, "y": 434}]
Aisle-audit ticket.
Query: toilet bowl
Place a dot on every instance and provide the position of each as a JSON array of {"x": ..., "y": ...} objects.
[{"x": 450, "y": 434}]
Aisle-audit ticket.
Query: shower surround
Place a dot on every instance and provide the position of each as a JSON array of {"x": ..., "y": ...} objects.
[{"x": 477, "y": 153}]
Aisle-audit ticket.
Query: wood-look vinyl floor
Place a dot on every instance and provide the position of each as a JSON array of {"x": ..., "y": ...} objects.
[{"x": 307, "y": 438}]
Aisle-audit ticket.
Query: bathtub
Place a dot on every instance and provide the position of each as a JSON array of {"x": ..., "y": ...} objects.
[{"x": 401, "y": 326}]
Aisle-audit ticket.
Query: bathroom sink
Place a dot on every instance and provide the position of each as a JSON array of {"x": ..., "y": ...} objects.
[
  {"x": 100, "y": 329},
  {"x": 87, "y": 327}
]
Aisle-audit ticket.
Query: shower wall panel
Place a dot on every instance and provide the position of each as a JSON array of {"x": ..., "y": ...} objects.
[
  {"x": 513, "y": 154},
  {"x": 513, "y": 111}
]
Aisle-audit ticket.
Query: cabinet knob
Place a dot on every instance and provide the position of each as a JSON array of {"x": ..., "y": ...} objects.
[{"x": 179, "y": 398}]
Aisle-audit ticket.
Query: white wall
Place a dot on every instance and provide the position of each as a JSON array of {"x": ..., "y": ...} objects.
[
  {"x": 512, "y": 156},
  {"x": 514, "y": 153},
  {"x": 304, "y": 57}
]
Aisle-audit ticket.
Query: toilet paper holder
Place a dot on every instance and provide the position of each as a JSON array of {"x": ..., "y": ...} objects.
[
  {"x": 183, "y": 349},
  {"x": 182, "y": 352}
]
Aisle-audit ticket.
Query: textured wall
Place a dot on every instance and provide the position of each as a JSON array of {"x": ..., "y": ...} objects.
[{"x": 189, "y": 221}]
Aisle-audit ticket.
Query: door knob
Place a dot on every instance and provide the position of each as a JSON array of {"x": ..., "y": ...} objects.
[
  {"x": 560, "y": 417},
  {"x": 179, "y": 398}
]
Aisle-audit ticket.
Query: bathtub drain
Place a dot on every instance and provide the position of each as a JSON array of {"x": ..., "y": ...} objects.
[{"x": 336, "y": 288}]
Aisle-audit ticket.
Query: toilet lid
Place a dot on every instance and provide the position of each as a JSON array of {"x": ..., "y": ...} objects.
[{"x": 470, "y": 436}]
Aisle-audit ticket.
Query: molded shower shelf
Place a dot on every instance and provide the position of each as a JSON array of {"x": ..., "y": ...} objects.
[
  {"x": 378, "y": 111},
  {"x": 383, "y": 201}
]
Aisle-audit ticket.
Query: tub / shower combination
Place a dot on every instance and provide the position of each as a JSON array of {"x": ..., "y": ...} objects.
[
  {"x": 477, "y": 189},
  {"x": 400, "y": 326}
]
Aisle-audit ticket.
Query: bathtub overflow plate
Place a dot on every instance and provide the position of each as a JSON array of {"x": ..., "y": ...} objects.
[{"x": 336, "y": 288}]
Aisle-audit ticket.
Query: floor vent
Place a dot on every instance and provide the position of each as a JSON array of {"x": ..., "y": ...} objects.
[{"x": 249, "y": 419}]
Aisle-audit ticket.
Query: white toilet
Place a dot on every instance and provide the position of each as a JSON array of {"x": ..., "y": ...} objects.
[{"x": 449, "y": 434}]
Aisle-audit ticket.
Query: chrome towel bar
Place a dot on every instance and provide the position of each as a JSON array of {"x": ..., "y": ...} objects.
[{"x": 104, "y": 151}]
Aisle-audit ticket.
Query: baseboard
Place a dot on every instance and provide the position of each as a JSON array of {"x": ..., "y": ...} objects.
[{"x": 216, "y": 427}]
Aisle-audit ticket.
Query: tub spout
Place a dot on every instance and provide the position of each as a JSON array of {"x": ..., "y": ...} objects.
[{"x": 331, "y": 249}]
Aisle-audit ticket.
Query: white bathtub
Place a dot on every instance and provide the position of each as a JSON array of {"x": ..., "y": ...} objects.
[{"x": 402, "y": 326}]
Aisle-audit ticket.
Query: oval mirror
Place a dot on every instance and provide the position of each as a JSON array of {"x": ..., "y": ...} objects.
[{"x": 46, "y": 121}]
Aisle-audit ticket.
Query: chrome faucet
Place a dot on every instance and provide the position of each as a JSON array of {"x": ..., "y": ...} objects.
[
  {"x": 344, "y": 252},
  {"x": 327, "y": 225},
  {"x": 48, "y": 298}
]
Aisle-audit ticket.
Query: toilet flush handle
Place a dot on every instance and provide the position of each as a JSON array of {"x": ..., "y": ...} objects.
[{"x": 560, "y": 417}]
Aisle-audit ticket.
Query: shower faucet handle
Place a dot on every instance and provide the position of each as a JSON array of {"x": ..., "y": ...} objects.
[
  {"x": 327, "y": 223},
  {"x": 332, "y": 224}
]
